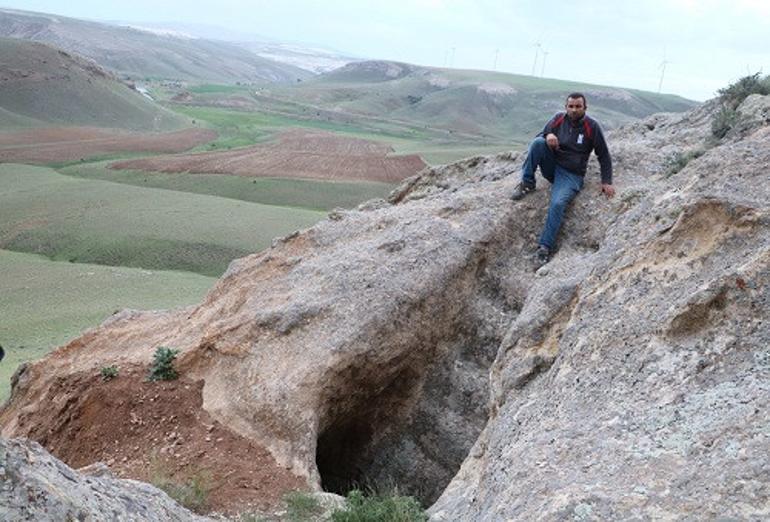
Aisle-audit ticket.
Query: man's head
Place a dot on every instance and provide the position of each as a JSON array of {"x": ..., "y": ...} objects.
[{"x": 575, "y": 106}]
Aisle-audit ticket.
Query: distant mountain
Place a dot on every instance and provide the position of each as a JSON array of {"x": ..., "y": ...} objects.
[
  {"x": 314, "y": 59},
  {"x": 493, "y": 104},
  {"x": 44, "y": 86},
  {"x": 311, "y": 57},
  {"x": 142, "y": 53}
]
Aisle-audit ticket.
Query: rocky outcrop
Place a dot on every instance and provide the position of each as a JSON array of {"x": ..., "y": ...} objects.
[
  {"x": 626, "y": 379},
  {"x": 36, "y": 486},
  {"x": 635, "y": 384}
]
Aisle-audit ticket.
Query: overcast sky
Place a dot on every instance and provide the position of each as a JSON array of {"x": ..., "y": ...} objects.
[{"x": 707, "y": 43}]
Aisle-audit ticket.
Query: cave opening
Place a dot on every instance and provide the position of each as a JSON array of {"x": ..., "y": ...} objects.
[{"x": 411, "y": 433}]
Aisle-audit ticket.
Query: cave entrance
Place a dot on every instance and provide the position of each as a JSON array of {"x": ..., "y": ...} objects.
[{"x": 410, "y": 433}]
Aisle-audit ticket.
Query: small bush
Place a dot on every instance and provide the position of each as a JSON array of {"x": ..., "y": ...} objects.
[
  {"x": 679, "y": 160},
  {"x": 734, "y": 94},
  {"x": 724, "y": 120},
  {"x": 302, "y": 507},
  {"x": 109, "y": 372},
  {"x": 731, "y": 97},
  {"x": 361, "y": 508},
  {"x": 193, "y": 494},
  {"x": 162, "y": 368}
]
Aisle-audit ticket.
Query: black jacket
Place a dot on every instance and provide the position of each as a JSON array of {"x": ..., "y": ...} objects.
[{"x": 576, "y": 141}]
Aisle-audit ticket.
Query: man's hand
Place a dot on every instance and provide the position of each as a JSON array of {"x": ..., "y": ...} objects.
[
  {"x": 552, "y": 141},
  {"x": 608, "y": 190}
]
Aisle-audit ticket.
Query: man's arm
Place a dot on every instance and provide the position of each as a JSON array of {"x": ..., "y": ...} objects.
[
  {"x": 605, "y": 161},
  {"x": 548, "y": 132}
]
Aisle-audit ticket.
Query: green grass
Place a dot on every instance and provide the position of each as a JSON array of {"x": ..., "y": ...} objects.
[
  {"x": 379, "y": 508},
  {"x": 242, "y": 128},
  {"x": 92, "y": 221},
  {"x": 297, "y": 193},
  {"x": 210, "y": 88},
  {"x": 46, "y": 303}
]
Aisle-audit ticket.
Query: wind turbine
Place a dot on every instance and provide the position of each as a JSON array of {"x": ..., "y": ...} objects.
[
  {"x": 537, "y": 50},
  {"x": 452, "y": 59},
  {"x": 497, "y": 52},
  {"x": 662, "y": 67},
  {"x": 542, "y": 68}
]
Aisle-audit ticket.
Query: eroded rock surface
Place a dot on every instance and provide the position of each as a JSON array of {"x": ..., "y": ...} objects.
[
  {"x": 626, "y": 379},
  {"x": 35, "y": 486}
]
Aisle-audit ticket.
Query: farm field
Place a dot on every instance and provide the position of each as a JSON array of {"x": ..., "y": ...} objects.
[
  {"x": 92, "y": 221},
  {"x": 241, "y": 128},
  {"x": 46, "y": 303},
  {"x": 60, "y": 144},
  {"x": 295, "y": 153},
  {"x": 299, "y": 193}
]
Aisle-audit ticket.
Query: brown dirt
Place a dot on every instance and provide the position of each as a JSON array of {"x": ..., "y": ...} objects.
[
  {"x": 74, "y": 143},
  {"x": 295, "y": 154},
  {"x": 145, "y": 430}
]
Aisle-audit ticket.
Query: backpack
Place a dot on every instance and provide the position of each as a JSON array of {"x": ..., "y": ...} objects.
[{"x": 560, "y": 119}]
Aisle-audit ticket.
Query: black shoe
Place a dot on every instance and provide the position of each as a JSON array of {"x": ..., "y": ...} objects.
[
  {"x": 543, "y": 255},
  {"x": 521, "y": 190}
]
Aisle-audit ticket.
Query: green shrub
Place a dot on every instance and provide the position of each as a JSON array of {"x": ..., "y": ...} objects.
[
  {"x": 162, "y": 368},
  {"x": 731, "y": 97},
  {"x": 679, "y": 160},
  {"x": 109, "y": 372},
  {"x": 360, "y": 508},
  {"x": 301, "y": 506},
  {"x": 192, "y": 494},
  {"x": 734, "y": 94},
  {"x": 723, "y": 121}
]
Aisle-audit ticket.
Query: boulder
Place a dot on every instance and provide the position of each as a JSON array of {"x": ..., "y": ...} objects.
[{"x": 36, "y": 486}]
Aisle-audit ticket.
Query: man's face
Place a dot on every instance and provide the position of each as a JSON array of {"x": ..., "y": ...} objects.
[{"x": 576, "y": 108}]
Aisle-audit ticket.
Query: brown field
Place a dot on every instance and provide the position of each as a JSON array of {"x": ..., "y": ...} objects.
[
  {"x": 74, "y": 143},
  {"x": 295, "y": 154}
]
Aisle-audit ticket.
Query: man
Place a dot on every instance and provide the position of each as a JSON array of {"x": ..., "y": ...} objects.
[{"x": 561, "y": 151}]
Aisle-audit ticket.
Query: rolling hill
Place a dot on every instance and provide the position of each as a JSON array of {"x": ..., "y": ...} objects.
[
  {"x": 147, "y": 54},
  {"x": 491, "y": 104},
  {"x": 43, "y": 86}
]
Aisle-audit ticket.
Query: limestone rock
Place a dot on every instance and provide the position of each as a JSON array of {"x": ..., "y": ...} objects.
[{"x": 36, "y": 486}]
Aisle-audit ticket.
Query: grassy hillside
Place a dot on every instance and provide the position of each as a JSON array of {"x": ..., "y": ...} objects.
[
  {"x": 90, "y": 221},
  {"x": 441, "y": 114},
  {"x": 477, "y": 102},
  {"x": 297, "y": 193},
  {"x": 40, "y": 86},
  {"x": 143, "y": 54},
  {"x": 46, "y": 303}
]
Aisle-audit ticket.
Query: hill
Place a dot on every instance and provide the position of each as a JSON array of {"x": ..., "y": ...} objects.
[
  {"x": 410, "y": 344},
  {"x": 43, "y": 86},
  {"x": 144, "y": 54},
  {"x": 493, "y": 104}
]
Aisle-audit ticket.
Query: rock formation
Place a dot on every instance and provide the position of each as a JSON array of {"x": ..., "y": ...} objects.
[
  {"x": 37, "y": 487},
  {"x": 392, "y": 344}
]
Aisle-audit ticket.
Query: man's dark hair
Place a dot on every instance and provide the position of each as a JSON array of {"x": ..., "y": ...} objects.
[{"x": 575, "y": 96}]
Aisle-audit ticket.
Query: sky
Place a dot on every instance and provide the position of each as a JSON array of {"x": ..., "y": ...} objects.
[{"x": 704, "y": 44}]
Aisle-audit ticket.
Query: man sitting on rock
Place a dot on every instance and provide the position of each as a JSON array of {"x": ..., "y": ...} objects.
[{"x": 561, "y": 151}]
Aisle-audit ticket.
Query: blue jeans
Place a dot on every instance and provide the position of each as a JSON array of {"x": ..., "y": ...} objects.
[{"x": 564, "y": 186}]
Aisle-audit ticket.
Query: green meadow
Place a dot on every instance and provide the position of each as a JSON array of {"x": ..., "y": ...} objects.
[
  {"x": 46, "y": 303},
  {"x": 283, "y": 192},
  {"x": 93, "y": 221}
]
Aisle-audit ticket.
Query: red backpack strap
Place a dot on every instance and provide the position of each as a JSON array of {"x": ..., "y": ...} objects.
[
  {"x": 588, "y": 130},
  {"x": 557, "y": 121}
]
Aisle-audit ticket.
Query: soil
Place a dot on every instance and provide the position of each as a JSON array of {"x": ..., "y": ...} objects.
[
  {"x": 59, "y": 144},
  {"x": 158, "y": 431},
  {"x": 294, "y": 154}
]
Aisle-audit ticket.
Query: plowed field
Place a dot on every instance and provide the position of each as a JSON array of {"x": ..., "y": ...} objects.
[
  {"x": 294, "y": 154},
  {"x": 74, "y": 143}
]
